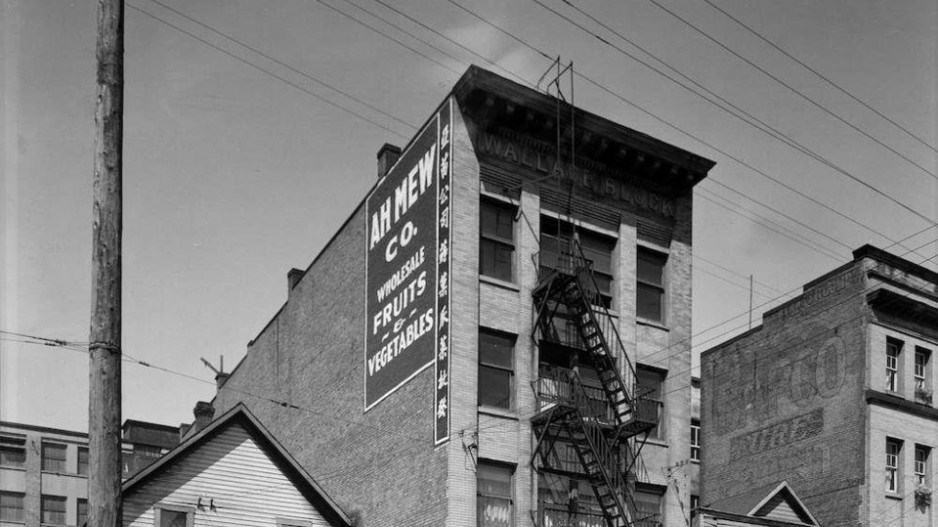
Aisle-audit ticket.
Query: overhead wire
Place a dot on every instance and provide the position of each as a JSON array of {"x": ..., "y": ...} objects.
[
  {"x": 266, "y": 71},
  {"x": 690, "y": 135},
  {"x": 792, "y": 89},
  {"x": 279, "y": 62},
  {"x": 788, "y": 140},
  {"x": 385, "y": 35},
  {"x": 732, "y": 208},
  {"x": 819, "y": 75},
  {"x": 782, "y": 231},
  {"x": 203, "y": 40},
  {"x": 454, "y": 42}
]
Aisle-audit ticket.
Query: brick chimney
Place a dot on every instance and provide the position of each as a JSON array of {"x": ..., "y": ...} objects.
[
  {"x": 204, "y": 412},
  {"x": 293, "y": 277},
  {"x": 220, "y": 379},
  {"x": 387, "y": 156}
]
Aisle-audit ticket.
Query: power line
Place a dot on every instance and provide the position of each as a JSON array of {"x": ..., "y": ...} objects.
[
  {"x": 740, "y": 275},
  {"x": 794, "y": 236},
  {"x": 786, "y": 216},
  {"x": 266, "y": 71},
  {"x": 389, "y": 37},
  {"x": 680, "y": 130},
  {"x": 402, "y": 30},
  {"x": 792, "y": 89},
  {"x": 819, "y": 75},
  {"x": 461, "y": 46},
  {"x": 284, "y": 64},
  {"x": 789, "y": 141}
]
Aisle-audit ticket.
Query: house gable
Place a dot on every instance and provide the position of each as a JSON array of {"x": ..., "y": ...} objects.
[{"x": 231, "y": 473}]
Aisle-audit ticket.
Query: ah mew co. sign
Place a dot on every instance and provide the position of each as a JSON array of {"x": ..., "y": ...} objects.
[{"x": 407, "y": 273}]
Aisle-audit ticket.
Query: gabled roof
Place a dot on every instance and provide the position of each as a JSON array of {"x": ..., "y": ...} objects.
[
  {"x": 240, "y": 415},
  {"x": 771, "y": 502}
]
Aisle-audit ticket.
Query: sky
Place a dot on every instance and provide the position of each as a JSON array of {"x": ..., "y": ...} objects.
[{"x": 251, "y": 130}]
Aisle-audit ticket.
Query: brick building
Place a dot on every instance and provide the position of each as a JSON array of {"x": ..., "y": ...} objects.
[
  {"x": 833, "y": 392},
  {"x": 44, "y": 471},
  {"x": 504, "y": 319}
]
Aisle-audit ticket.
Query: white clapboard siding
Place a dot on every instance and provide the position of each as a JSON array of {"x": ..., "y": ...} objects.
[
  {"x": 778, "y": 508},
  {"x": 247, "y": 487}
]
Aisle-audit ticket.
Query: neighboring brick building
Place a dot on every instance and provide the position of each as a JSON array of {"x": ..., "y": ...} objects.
[
  {"x": 44, "y": 471},
  {"x": 481, "y": 263},
  {"x": 833, "y": 394}
]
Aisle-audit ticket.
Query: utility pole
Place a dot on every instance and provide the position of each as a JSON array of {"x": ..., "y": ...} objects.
[{"x": 104, "y": 403}]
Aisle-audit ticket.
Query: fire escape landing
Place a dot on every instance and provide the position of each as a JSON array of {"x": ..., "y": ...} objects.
[{"x": 586, "y": 432}]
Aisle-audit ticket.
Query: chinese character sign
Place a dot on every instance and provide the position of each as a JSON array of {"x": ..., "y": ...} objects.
[{"x": 444, "y": 303}]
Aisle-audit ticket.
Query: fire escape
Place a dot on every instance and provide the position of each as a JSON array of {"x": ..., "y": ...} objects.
[{"x": 586, "y": 431}]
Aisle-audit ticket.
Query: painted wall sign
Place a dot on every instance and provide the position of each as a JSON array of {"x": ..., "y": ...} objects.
[
  {"x": 407, "y": 273},
  {"x": 444, "y": 252},
  {"x": 602, "y": 183},
  {"x": 401, "y": 269}
]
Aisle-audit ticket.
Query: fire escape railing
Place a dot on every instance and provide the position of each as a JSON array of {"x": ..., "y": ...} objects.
[{"x": 601, "y": 424}]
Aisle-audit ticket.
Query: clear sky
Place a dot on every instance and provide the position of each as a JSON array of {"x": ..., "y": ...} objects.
[{"x": 237, "y": 169}]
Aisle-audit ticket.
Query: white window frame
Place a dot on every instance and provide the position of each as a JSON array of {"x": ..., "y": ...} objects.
[
  {"x": 42, "y": 456},
  {"x": 506, "y": 205},
  {"x": 12, "y": 443},
  {"x": 160, "y": 507},
  {"x": 662, "y": 287},
  {"x": 893, "y": 465},
  {"x": 920, "y": 467},
  {"x": 695, "y": 440},
  {"x": 510, "y": 370},
  {"x": 22, "y": 497},
  {"x": 42, "y": 508},
  {"x": 893, "y": 352},
  {"x": 511, "y": 492}
]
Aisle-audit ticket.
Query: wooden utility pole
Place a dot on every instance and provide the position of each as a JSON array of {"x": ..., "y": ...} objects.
[{"x": 104, "y": 404}]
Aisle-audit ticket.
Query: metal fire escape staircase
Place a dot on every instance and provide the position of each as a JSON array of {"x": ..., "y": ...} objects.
[{"x": 606, "y": 428}]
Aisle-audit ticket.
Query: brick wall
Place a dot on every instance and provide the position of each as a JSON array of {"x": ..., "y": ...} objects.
[
  {"x": 380, "y": 467},
  {"x": 784, "y": 402}
]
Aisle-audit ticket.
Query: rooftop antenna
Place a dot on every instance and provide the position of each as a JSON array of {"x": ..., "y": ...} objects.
[
  {"x": 221, "y": 365},
  {"x": 554, "y": 82}
]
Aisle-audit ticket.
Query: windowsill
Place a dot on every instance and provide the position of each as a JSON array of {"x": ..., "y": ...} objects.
[
  {"x": 498, "y": 412},
  {"x": 657, "y": 442},
  {"x": 7, "y": 467},
  {"x": 893, "y": 496},
  {"x": 72, "y": 474},
  {"x": 511, "y": 286},
  {"x": 652, "y": 323},
  {"x": 695, "y": 461}
]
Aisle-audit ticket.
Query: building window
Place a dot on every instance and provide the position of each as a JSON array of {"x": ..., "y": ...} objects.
[
  {"x": 597, "y": 248},
  {"x": 921, "y": 374},
  {"x": 82, "y": 511},
  {"x": 496, "y": 369},
  {"x": 82, "y": 461},
  {"x": 53, "y": 510},
  {"x": 12, "y": 452},
  {"x": 921, "y": 464},
  {"x": 695, "y": 439},
  {"x": 494, "y": 506},
  {"x": 11, "y": 507},
  {"x": 649, "y": 385},
  {"x": 53, "y": 457},
  {"x": 497, "y": 240},
  {"x": 650, "y": 303},
  {"x": 173, "y": 517},
  {"x": 893, "y": 448},
  {"x": 893, "y": 349},
  {"x": 694, "y": 505},
  {"x": 648, "y": 505}
]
